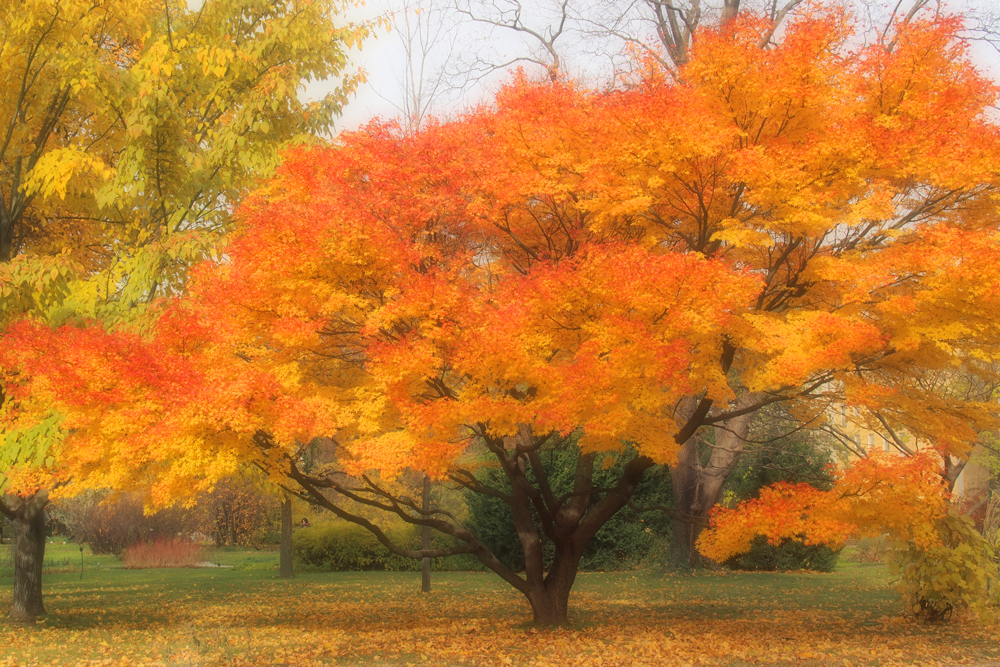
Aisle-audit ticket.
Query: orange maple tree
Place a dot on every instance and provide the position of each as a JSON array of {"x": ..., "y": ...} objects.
[
  {"x": 883, "y": 493},
  {"x": 805, "y": 223},
  {"x": 944, "y": 562},
  {"x": 859, "y": 184}
]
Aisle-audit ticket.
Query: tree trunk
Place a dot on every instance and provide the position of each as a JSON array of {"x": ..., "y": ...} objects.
[
  {"x": 697, "y": 488},
  {"x": 425, "y": 541},
  {"x": 953, "y": 468},
  {"x": 570, "y": 522},
  {"x": 29, "y": 557},
  {"x": 690, "y": 507},
  {"x": 550, "y": 600},
  {"x": 285, "y": 558}
]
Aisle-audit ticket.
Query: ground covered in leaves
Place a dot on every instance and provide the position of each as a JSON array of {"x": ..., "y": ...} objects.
[{"x": 246, "y": 616}]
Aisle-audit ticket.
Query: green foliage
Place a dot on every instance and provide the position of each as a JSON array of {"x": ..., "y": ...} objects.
[
  {"x": 622, "y": 543},
  {"x": 956, "y": 574},
  {"x": 794, "y": 458},
  {"x": 30, "y": 446},
  {"x": 789, "y": 555},
  {"x": 339, "y": 546}
]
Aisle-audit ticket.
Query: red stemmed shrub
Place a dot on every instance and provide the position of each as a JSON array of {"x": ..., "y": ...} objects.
[{"x": 162, "y": 553}]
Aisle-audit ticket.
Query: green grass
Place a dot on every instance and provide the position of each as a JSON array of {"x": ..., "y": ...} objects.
[{"x": 245, "y": 615}]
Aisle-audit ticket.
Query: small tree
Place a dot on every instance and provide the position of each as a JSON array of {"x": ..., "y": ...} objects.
[
  {"x": 944, "y": 563},
  {"x": 238, "y": 512}
]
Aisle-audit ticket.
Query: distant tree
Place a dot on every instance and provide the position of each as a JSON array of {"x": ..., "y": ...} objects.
[{"x": 238, "y": 512}]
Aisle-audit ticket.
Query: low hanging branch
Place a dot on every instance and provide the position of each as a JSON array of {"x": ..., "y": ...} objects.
[{"x": 570, "y": 520}]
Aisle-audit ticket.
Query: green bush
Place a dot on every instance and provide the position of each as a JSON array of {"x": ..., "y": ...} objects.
[
  {"x": 624, "y": 542},
  {"x": 339, "y": 546},
  {"x": 789, "y": 555}
]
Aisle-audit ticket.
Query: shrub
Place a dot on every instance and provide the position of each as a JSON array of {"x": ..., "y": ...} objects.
[
  {"x": 789, "y": 555},
  {"x": 340, "y": 546},
  {"x": 111, "y": 526},
  {"x": 869, "y": 550},
  {"x": 161, "y": 553},
  {"x": 957, "y": 573}
]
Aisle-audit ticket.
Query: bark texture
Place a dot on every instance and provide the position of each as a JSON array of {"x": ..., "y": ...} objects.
[
  {"x": 28, "y": 517},
  {"x": 698, "y": 481}
]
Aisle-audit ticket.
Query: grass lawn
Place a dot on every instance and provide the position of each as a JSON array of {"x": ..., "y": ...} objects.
[{"x": 247, "y": 616}]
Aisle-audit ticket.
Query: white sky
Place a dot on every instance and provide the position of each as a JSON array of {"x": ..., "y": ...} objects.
[{"x": 383, "y": 59}]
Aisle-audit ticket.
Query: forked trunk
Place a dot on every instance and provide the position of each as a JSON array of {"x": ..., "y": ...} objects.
[
  {"x": 549, "y": 600},
  {"x": 29, "y": 557},
  {"x": 549, "y": 607},
  {"x": 697, "y": 487},
  {"x": 569, "y": 520}
]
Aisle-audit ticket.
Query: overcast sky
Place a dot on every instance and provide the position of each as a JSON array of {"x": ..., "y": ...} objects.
[{"x": 383, "y": 58}]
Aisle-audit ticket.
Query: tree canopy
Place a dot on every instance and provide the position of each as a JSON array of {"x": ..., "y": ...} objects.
[
  {"x": 807, "y": 223},
  {"x": 129, "y": 132}
]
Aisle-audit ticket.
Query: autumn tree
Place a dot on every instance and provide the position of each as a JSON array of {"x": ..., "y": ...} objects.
[
  {"x": 668, "y": 33},
  {"x": 824, "y": 184},
  {"x": 130, "y": 129},
  {"x": 801, "y": 224},
  {"x": 391, "y": 325},
  {"x": 874, "y": 205}
]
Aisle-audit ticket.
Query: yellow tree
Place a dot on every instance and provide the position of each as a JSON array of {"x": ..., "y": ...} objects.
[{"x": 129, "y": 129}]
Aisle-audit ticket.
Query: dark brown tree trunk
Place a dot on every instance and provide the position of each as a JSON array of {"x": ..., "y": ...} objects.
[
  {"x": 29, "y": 558},
  {"x": 570, "y": 522},
  {"x": 425, "y": 539},
  {"x": 285, "y": 558},
  {"x": 550, "y": 599},
  {"x": 6, "y": 238}
]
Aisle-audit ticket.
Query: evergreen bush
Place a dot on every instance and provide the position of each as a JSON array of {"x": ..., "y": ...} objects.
[{"x": 789, "y": 555}]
